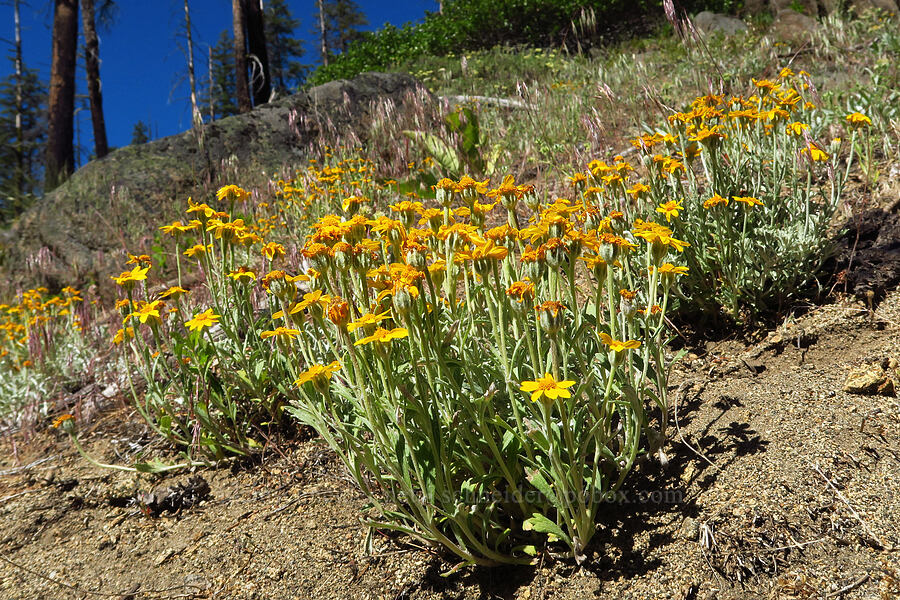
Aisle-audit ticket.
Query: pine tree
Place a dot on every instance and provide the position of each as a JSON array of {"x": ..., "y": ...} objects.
[
  {"x": 21, "y": 165},
  {"x": 141, "y": 133},
  {"x": 285, "y": 50},
  {"x": 343, "y": 20},
  {"x": 221, "y": 99}
]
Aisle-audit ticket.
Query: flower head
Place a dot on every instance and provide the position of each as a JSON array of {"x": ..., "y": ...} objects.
[
  {"x": 548, "y": 388},
  {"x": 670, "y": 209},
  {"x": 619, "y": 346},
  {"x": 318, "y": 374},
  {"x": 203, "y": 320},
  {"x": 383, "y": 336},
  {"x": 857, "y": 119},
  {"x": 128, "y": 278}
]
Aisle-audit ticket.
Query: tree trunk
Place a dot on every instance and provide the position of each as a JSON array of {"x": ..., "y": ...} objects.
[
  {"x": 242, "y": 88},
  {"x": 61, "y": 103},
  {"x": 323, "y": 33},
  {"x": 196, "y": 117},
  {"x": 19, "y": 175},
  {"x": 92, "y": 69},
  {"x": 212, "y": 97},
  {"x": 256, "y": 42}
]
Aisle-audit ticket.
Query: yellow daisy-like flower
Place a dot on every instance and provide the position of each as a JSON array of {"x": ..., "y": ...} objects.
[
  {"x": 750, "y": 201},
  {"x": 149, "y": 311},
  {"x": 123, "y": 334},
  {"x": 369, "y": 319},
  {"x": 318, "y": 373},
  {"x": 173, "y": 292},
  {"x": 197, "y": 250},
  {"x": 670, "y": 269},
  {"x": 670, "y": 209},
  {"x": 857, "y": 119},
  {"x": 383, "y": 336},
  {"x": 128, "y": 278},
  {"x": 548, "y": 388},
  {"x": 273, "y": 250},
  {"x": 281, "y": 333},
  {"x": 796, "y": 128},
  {"x": 232, "y": 192},
  {"x": 60, "y": 420},
  {"x": 618, "y": 345},
  {"x": 816, "y": 153},
  {"x": 242, "y": 273},
  {"x": 143, "y": 259},
  {"x": 205, "y": 319},
  {"x": 716, "y": 200}
]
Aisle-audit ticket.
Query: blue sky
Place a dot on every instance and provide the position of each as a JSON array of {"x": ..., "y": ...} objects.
[{"x": 143, "y": 66}]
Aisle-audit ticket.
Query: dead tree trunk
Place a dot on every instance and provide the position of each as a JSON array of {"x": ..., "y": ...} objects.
[
  {"x": 92, "y": 69},
  {"x": 196, "y": 117},
  {"x": 256, "y": 42}
]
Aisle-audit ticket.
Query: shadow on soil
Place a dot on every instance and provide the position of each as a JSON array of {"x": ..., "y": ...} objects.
[{"x": 648, "y": 510}]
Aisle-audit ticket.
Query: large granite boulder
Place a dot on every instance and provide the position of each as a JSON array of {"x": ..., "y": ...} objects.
[{"x": 77, "y": 232}]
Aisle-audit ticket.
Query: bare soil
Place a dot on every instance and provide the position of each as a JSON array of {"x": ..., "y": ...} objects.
[{"x": 778, "y": 485}]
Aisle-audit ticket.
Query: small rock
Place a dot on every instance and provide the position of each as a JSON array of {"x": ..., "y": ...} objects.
[
  {"x": 870, "y": 380},
  {"x": 164, "y": 556},
  {"x": 689, "y": 472},
  {"x": 690, "y": 529}
]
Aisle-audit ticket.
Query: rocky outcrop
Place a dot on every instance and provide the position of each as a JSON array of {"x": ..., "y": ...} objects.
[{"x": 76, "y": 234}]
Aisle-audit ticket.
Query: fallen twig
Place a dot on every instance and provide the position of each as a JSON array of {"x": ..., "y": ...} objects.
[
  {"x": 28, "y": 466},
  {"x": 849, "y": 587},
  {"x": 843, "y": 499},
  {"x": 11, "y": 496}
]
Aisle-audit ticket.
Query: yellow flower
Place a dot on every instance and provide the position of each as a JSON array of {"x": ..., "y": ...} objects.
[
  {"x": 197, "y": 250},
  {"x": 750, "y": 201},
  {"x": 148, "y": 311},
  {"x": 123, "y": 334},
  {"x": 796, "y": 128},
  {"x": 60, "y": 420},
  {"x": 232, "y": 192},
  {"x": 670, "y": 209},
  {"x": 857, "y": 119},
  {"x": 670, "y": 269},
  {"x": 521, "y": 291},
  {"x": 318, "y": 373},
  {"x": 383, "y": 336},
  {"x": 128, "y": 278},
  {"x": 547, "y": 387},
  {"x": 205, "y": 319},
  {"x": 282, "y": 333},
  {"x": 242, "y": 273},
  {"x": 174, "y": 292},
  {"x": 619, "y": 346},
  {"x": 716, "y": 200},
  {"x": 143, "y": 259},
  {"x": 816, "y": 153},
  {"x": 273, "y": 250}
]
